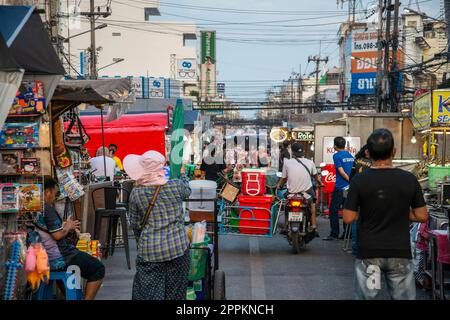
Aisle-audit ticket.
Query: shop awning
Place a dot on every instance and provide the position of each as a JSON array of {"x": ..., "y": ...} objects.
[
  {"x": 113, "y": 94},
  {"x": 28, "y": 41},
  {"x": 10, "y": 78}
]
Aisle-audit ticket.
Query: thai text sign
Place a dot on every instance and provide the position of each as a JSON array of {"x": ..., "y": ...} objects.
[
  {"x": 421, "y": 112},
  {"x": 441, "y": 108}
]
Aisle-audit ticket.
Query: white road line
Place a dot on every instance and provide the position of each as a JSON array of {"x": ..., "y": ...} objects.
[{"x": 256, "y": 272}]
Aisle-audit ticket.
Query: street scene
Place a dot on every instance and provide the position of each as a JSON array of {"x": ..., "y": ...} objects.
[{"x": 201, "y": 150}]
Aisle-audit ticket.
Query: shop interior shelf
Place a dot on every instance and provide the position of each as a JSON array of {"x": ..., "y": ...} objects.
[
  {"x": 24, "y": 148},
  {"x": 24, "y": 115}
]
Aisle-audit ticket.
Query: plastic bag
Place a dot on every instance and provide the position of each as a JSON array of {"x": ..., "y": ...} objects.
[{"x": 198, "y": 235}]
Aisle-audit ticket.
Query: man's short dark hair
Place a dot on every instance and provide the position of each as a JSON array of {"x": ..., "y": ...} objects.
[
  {"x": 380, "y": 144},
  {"x": 50, "y": 183},
  {"x": 113, "y": 145},
  {"x": 339, "y": 142}
]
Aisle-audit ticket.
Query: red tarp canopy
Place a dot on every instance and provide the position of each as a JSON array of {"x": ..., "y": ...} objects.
[{"x": 132, "y": 133}]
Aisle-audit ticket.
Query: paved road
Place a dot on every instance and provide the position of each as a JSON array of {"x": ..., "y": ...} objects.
[{"x": 263, "y": 268}]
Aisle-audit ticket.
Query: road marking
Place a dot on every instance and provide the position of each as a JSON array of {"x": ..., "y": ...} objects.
[{"x": 256, "y": 273}]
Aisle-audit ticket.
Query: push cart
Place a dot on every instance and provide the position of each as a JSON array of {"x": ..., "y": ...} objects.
[{"x": 205, "y": 277}]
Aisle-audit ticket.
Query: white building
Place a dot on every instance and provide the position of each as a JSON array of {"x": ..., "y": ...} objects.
[{"x": 148, "y": 48}]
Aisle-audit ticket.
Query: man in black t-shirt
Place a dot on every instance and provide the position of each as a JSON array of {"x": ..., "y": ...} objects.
[
  {"x": 211, "y": 165},
  {"x": 384, "y": 200}
]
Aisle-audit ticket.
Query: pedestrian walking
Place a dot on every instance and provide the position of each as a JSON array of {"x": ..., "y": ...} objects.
[
  {"x": 157, "y": 219},
  {"x": 362, "y": 162},
  {"x": 343, "y": 163},
  {"x": 384, "y": 199}
]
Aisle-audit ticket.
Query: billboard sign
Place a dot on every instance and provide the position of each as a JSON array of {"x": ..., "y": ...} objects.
[
  {"x": 186, "y": 69},
  {"x": 208, "y": 80},
  {"x": 363, "y": 83},
  {"x": 156, "y": 88},
  {"x": 421, "y": 112},
  {"x": 208, "y": 43},
  {"x": 441, "y": 108},
  {"x": 221, "y": 88},
  {"x": 140, "y": 87},
  {"x": 353, "y": 146}
]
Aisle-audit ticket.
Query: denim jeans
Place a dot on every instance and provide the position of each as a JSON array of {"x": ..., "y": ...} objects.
[
  {"x": 355, "y": 238},
  {"x": 337, "y": 201},
  {"x": 398, "y": 273}
]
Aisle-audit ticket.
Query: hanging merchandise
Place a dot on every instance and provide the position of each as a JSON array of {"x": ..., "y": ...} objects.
[
  {"x": 29, "y": 100},
  {"x": 75, "y": 135},
  {"x": 19, "y": 135},
  {"x": 30, "y": 198},
  {"x": 9, "y": 198},
  {"x": 9, "y": 162},
  {"x": 44, "y": 134},
  {"x": 14, "y": 244},
  {"x": 37, "y": 266},
  {"x": 69, "y": 186},
  {"x": 30, "y": 166},
  {"x": 60, "y": 153}
]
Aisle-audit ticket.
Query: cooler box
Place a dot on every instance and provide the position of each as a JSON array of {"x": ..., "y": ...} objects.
[
  {"x": 253, "y": 182},
  {"x": 255, "y": 226}
]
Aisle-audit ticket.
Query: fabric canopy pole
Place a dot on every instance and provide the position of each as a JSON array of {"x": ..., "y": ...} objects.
[
  {"x": 103, "y": 141},
  {"x": 176, "y": 139}
]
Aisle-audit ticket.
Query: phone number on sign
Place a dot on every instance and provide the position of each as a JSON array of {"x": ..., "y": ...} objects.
[{"x": 365, "y": 46}]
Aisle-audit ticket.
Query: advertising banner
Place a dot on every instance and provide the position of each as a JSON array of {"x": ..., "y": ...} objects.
[
  {"x": 441, "y": 108},
  {"x": 208, "y": 80},
  {"x": 421, "y": 112},
  {"x": 303, "y": 135},
  {"x": 208, "y": 45},
  {"x": 363, "y": 83},
  {"x": 140, "y": 87},
  {"x": 221, "y": 88},
  {"x": 156, "y": 88},
  {"x": 353, "y": 146},
  {"x": 186, "y": 69}
]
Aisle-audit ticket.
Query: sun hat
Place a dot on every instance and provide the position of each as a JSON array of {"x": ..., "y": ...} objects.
[{"x": 146, "y": 169}]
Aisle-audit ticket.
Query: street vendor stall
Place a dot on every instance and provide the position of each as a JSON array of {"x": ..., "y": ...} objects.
[{"x": 25, "y": 138}]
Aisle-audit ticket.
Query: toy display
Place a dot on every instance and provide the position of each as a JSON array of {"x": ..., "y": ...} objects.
[
  {"x": 29, "y": 99},
  {"x": 30, "y": 166},
  {"x": 37, "y": 266},
  {"x": 30, "y": 198},
  {"x": 9, "y": 198},
  {"x": 9, "y": 162},
  {"x": 19, "y": 135},
  {"x": 14, "y": 244},
  {"x": 70, "y": 187}
]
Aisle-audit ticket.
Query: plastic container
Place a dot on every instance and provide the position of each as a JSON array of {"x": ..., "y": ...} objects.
[
  {"x": 253, "y": 182},
  {"x": 202, "y": 189},
  {"x": 190, "y": 294},
  {"x": 257, "y": 220},
  {"x": 437, "y": 173},
  {"x": 198, "y": 255}
]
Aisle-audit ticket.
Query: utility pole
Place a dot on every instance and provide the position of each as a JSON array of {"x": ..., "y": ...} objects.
[
  {"x": 394, "y": 73},
  {"x": 386, "y": 56},
  {"x": 93, "y": 49},
  {"x": 379, "y": 92},
  {"x": 317, "y": 60}
]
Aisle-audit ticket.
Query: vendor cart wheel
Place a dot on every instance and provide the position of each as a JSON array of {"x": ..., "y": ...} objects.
[
  {"x": 219, "y": 285},
  {"x": 296, "y": 242}
]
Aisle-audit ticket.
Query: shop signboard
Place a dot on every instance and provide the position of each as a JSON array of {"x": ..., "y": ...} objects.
[
  {"x": 353, "y": 146},
  {"x": 156, "y": 88},
  {"x": 221, "y": 87},
  {"x": 441, "y": 108},
  {"x": 212, "y": 108},
  {"x": 421, "y": 112},
  {"x": 303, "y": 135},
  {"x": 363, "y": 83},
  {"x": 140, "y": 87},
  {"x": 208, "y": 43},
  {"x": 186, "y": 69}
]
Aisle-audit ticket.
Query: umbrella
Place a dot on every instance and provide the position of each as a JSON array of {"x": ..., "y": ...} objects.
[{"x": 176, "y": 146}]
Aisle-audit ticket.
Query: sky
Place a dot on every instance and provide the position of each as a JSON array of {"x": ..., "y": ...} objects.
[{"x": 261, "y": 42}]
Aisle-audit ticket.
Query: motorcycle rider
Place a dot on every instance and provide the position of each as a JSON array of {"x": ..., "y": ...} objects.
[{"x": 298, "y": 173}]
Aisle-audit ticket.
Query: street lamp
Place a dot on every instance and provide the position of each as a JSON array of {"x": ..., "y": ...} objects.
[
  {"x": 108, "y": 65},
  {"x": 103, "y": 25}
]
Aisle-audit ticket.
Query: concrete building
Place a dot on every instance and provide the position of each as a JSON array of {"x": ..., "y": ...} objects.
[{"x": 423, "y": 38}]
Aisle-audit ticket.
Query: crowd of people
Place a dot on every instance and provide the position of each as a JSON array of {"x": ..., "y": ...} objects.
[{"x": 379, "y": 202}]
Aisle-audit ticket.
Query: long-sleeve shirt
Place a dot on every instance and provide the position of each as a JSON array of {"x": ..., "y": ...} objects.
[{"x": 163, "y": 237}]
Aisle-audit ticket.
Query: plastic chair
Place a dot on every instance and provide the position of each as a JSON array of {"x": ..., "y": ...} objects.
[
  {"x": 73, "y": 292},
  {"x": 113, "y": 213}
]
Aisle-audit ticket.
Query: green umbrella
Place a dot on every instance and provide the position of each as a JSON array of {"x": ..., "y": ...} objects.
[{"x": 176, "y": 145}]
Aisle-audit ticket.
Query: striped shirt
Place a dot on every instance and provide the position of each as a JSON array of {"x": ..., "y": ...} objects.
[{"x": 163, "y": 237}]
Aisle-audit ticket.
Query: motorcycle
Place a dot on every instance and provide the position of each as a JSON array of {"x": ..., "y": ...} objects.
[{"x": 298, "y": 213}]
